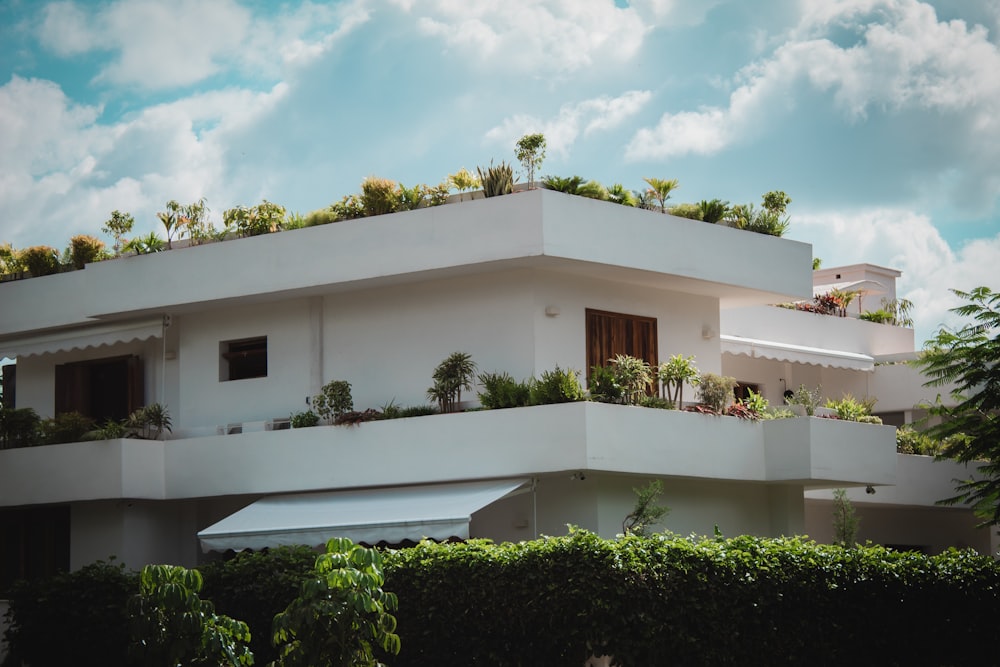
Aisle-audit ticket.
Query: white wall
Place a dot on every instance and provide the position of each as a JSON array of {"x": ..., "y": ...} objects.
[
  {"x": 205, "y": 401},
  {"x": 134, "y": 532}
]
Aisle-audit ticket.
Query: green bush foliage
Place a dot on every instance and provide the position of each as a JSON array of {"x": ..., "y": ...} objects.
[
  {"x": 77, "y": 618},
  {"x": 500, "y": 390},
  {"x": 671, "y": 600},
  {"x": 19, "y": 427},
  {"x": 557, "y": 386},
  {"x": 85, "y": 249},
  {"x": 555, "y": 601},
  {"x": 66, "y": 427},
  {"x": 40, "y": 260},
  {"x": 716, "y": 391},
  {"x": 254, "y": 586}
]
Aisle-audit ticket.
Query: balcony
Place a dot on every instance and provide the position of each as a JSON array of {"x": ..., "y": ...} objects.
[{"x": 465, "y": 446}]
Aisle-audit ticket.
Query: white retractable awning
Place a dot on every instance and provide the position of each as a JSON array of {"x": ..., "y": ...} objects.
[
  {"x": 438, "y": 512},
  {"x": 78, "y": 338},
  {"x": 799, "y": 354}
]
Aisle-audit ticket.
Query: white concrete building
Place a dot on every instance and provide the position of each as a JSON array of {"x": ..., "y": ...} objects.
[{"x": 232, "y": 337}]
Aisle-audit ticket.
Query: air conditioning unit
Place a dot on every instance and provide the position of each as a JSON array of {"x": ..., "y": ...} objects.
[
  {"x": 279, "y": 424},
  {"x": 229, "y": 429}
]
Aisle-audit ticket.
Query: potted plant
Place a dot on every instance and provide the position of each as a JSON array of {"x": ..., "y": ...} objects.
[{"x": 450, "y": 377}]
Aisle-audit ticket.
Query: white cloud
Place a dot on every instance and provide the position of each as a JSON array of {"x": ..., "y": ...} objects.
[
  {"x": 62, "y": 172},
  {"x": 903, "y": 59},
  {"x": 559, "y": 36},
  {"x": 159, "y": 44},
  {"x": 908, "y": 241},
  {"x": 562, "y": 131}
]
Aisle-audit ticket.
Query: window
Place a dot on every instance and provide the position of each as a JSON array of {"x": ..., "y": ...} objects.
[
  {"x": 610, "y": 334},
  {"x": 101, "y": 389},
  {"x": 8, "y": 382},
  {"x": 243, "y": 359}
]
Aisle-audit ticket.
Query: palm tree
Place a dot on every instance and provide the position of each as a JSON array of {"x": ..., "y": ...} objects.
[
  {"x": 660, "y": 189},
  {"x": 619, "y": 195},
  {"x": 570, "y": 185}
]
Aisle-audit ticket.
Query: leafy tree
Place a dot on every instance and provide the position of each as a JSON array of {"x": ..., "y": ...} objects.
[
  {"x": 646, "y": 512},
  {"x": 776, "y": 202},
  {"x": 117, "y": 226},
  {"x": 530, "y": 153},
  {"x": 660, "y": 189},
  {"x": 171, "y": 626},
  {"x": 341, "y": 614},
  {"x": 845, "y": 521},
  {"x": 969, "y": 357}
]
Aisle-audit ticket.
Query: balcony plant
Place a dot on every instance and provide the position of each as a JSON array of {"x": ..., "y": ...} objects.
[
  {"x": 149, "y": 422},
  {"x": 715, "y": 392},
  {"x": 85, "y": 249},
  {"x": 497, "y": 180},
  {"x": 304, "y": 419},
  {"x": 603, "y": 386},
  {"x": 557, "y": 386},
  {"x": 674, "y": 374},
  {"x": 452, "y": 375},
  {"x": 333, "y": 400},
  {"x": 633, "y": 375},
  {"x": 40, "y": 260},
  {"x": 500, "y": 390}
]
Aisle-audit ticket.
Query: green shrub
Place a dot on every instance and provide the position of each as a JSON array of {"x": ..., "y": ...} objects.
[
  {"x": 19, "y": 427},
  {"x": 66, "y": 427},
  {"x": 690, "y": 211},
  {"x": 304, "y": 419},
  {"x": 498, "y": 180},
  {"x": 379, "y": 196},
  {"x": 333, "y": 400},
  {"x": 852, "y": 409},
  {"x": 500, "y": 390},
  {"x": 808, "y": 398},
  {"x": 255, "y": 586},
  {"x": 656, "y": 402},
  {"x": 40, "y": 260},
  {"x": 715, "y": 391},
  {"x": 72, "y": 618},
  {"x": 603, "y": 386},
  {"x": 633, "y": 375},
  {"x": 85, "y": 249},
  {"x": 878, "y": 316},
  {"x": 557, "y": 386},
  {"x": 323, "y": 216}
]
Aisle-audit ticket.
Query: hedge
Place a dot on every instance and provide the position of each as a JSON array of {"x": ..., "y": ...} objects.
[{"x": 662, "y": 599}]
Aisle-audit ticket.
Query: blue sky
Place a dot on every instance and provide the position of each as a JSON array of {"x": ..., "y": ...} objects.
[{"x": 880, "y": 118}]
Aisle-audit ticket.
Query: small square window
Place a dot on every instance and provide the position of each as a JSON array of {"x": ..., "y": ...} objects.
[{"x": 243, "y": 359}]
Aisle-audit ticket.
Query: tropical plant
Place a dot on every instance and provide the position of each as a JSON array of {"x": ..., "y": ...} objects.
[
  {"x": 85, "y": 249},
  {"x": 436, "y": 195},
  {"x": 776, "y": 201},
  {"x": 715, "y": 391},
  {"x": 10, "y": 260},
  {"x": 173, "y": 220},
  {"x": 713, "y": 210},
  {"x": 333, "y": 400},
  {"x": 603, "y": 385},
  {"x": 530, "y": 151},
  {"x": 690, "y": 211},
  {"x": 118, "y": 226},
  {"x": 567, "y": 184},
  {"x": 170, "y": 625},
  {"x": 845, "y": 521},
  {"x": 593, "y": 190},
  {"x": 817, "y": 263},
  {"x": 967, "y": 357},
  {"x": 40, "y": 260},
  {"x": 674, "y": 374},
  {"x": 463, "y": 180},
  {"x": 850, "y": 408},
  {"x": 660, "y": 189},
  {"x": 810, "y": 399},
  {"x": 557, "y": 386},
  {"x": 144, "y": 245},
  {"x": 293, "y": 221},
  {"x": 263, "y": 218},
  {"x": 500, "y": 390},
  {"x": 149, "y": 422},
  {"x": 349, "y": 207},
  {"x": 646, "y": 512},
  {"x": 452, "y": 375},
  {"x": 633, "y": 375},
  {"x": 899, "y": 312},
  {"x": 410, "y": 198},
  {"x": 617, "y": 194},
  {"x": 877, "y": 316},
  {"x": 498, "y": 180},
  {"x": 755, "y": 403},
  {"x": 342, "y": 614}
]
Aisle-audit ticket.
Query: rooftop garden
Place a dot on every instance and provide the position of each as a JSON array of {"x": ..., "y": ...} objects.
[{"x": 189, "y": 224}]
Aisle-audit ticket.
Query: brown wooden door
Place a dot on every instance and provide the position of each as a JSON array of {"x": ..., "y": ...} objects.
[{"x": 610, "y": 334}]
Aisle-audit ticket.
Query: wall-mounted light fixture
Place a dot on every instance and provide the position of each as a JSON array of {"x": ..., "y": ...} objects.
[
  {"x": 552, "y": 311},
  {"x": 707, "y": 332}
]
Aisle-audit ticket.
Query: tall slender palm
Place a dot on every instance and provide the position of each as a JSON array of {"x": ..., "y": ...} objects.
[{"x": 660, "y": 189}]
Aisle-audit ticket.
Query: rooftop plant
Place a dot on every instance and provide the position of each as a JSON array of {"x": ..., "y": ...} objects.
[
  {"x": 40, "y": 260},
  {"x": 463, "y": 180},
  {"x": 530, "y": 151},
  {"x": 660, "y": 189},
  {"x": 85, "y": 249},
  {"x": 497, "y": 180},
  {"x": 118, "y": 226}
]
